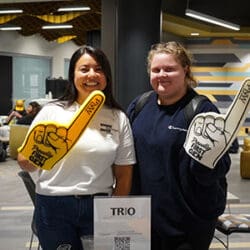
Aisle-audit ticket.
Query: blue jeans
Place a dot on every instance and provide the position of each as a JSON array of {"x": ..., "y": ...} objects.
[{"x": 62, "y": 220}]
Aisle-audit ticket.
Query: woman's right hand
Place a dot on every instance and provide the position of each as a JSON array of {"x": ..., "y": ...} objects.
[{"x": 25, "y": 164}]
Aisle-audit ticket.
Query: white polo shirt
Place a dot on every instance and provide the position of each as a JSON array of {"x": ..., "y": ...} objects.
[{"x": 87, "y": 167}]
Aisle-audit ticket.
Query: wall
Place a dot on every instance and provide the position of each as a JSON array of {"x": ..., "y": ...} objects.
[
  {"x": 14, "y": 45},
  {"x": 12, "y": 42},
  {"x": 220, "y": 66},
  {"x": 5, "y": 84}
]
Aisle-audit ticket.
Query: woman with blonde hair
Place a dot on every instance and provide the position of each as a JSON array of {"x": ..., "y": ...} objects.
[{"x": 187, "y": 197}]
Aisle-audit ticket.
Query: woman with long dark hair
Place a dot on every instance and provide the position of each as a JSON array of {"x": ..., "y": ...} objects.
[{"x": 100, "y": 162}]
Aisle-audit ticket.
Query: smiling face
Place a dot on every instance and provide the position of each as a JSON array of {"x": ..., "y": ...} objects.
[
  {"x": 167, "y": 77},
  {"x": 88, "y": 76}
]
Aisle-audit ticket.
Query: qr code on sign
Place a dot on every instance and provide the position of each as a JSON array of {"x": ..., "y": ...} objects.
[{"x": 122, "y": 243}]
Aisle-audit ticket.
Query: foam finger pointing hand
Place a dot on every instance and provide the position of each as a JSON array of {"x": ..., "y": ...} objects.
[
  {"x": 222, "y": 131},
  {"x": 48, "y": 142}
]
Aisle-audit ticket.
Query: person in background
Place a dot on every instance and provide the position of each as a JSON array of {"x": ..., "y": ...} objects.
[
  {"x": 187, "y": 197},
  {"x": 21, "y": 116},
  {"x": 31, "y": 111},
  {"x": 100, "y": 163},
  {"x": 18, "y": 112}
]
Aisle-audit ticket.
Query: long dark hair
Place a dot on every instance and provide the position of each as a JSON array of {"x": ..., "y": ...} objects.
[
  {"x": 36, "y": 107},
  {"x": 70, "y": 94}
]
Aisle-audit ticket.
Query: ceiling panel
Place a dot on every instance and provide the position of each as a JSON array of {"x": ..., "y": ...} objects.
[
  {"x": 41, "y": 12},
  {"x": 26, "y": 1},
  {"x": 38, "y": 13},
  {"x": 174, "y": 19}
]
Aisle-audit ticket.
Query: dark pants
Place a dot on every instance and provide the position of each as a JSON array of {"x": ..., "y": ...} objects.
[
  {"x": 62, "y": 220},
  {"x": 193, "y": 241}
]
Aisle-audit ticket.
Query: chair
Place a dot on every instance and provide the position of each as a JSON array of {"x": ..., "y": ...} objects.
[
  {"x": 245, "y": 159},
  {"x": 17, "y": 135},
  {"x": 232, "y": 223},
  {"x": 30, "y": 186}
]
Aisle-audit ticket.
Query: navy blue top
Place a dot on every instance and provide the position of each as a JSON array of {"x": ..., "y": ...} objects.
[{"x": 186, "y": 195}]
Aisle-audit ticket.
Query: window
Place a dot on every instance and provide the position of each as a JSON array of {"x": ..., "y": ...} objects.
[{"x": 29, "y": 75}]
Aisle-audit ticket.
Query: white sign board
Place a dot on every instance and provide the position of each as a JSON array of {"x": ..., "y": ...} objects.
[{"x": 122, "y": 223}]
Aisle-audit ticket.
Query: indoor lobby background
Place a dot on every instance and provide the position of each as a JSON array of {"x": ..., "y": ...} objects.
[{"x": 220, "y": 65}]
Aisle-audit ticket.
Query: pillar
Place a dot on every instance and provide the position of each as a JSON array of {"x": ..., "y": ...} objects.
[{"x": 129, "y": 28}]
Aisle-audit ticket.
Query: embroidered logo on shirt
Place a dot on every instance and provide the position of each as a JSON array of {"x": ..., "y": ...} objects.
[
  {"x": 107, "y": 128},
  {"x": 175, "y": 128}
]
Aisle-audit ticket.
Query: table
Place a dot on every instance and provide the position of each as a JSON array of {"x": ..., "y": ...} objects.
[{"x": 232, "y": 199}]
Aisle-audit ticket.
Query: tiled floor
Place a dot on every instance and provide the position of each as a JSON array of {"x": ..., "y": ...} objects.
[
  {"x": 241, "y": 188},
  {"x": 16, "y": 208}
]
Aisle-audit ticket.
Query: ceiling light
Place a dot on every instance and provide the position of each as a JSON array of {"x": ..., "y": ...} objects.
[
  {"x": 195, "y": 34},
  {"x": 64, "y": 26},
  {"x": 11, "y": 11},
  {"x": 76, "y": 8},
  {"x": 211, "y": 19},
  {"x": 10, "y": 28}
]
